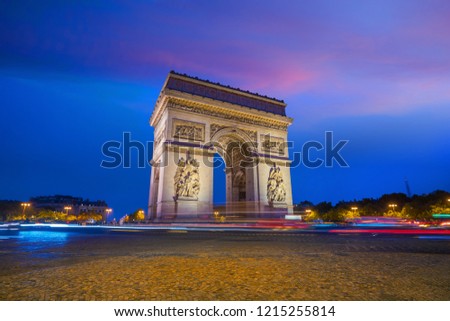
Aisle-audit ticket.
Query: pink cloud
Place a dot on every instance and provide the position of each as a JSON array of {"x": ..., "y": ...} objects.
[{"x": 396, "y": 55}]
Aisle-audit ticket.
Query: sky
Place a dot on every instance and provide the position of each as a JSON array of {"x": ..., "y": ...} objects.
[{"x": 76, "y": 74}]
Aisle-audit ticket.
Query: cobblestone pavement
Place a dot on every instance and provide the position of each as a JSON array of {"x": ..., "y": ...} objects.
[{"x": 223, "y": 266}]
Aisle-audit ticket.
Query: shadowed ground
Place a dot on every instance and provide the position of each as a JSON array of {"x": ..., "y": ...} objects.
[{"x": 179, "y": 265}]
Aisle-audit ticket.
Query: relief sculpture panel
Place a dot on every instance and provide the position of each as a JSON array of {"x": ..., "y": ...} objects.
[
  {"x": 187, "y": 179},
  {"x": 188, "y": 130},
  {"x": 273, "y": 145},
  {"x": 276, "y": 190},
  {"x": 216, "y": 127}
]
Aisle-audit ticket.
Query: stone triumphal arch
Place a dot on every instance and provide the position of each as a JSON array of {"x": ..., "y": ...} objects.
[{"x": 193, "y": 120}]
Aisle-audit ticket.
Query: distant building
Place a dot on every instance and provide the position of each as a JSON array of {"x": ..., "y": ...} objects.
[{"x": 77, "y": 205}]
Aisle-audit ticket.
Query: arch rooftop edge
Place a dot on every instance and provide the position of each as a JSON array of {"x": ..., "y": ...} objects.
[{"x": 259, "y": 105}]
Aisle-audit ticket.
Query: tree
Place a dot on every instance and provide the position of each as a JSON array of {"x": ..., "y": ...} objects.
[
  {"x": 303, "y": 206},
  {"x": 13, "y": 211},
  {"x": 312, "y": 216},
  {"x": 86, "y": 216},
  {"x": 323, "y": 207},
  {"x": 136, "y": 216},
  {"x": 350, "y": 214},
  {"x": 71, "y": 218},
  {"x": 370, "y": 207},
  {"x": 417, "y": 207},
  {"x": 49, "y": 215},
  {"x": 334, "y": 215}
]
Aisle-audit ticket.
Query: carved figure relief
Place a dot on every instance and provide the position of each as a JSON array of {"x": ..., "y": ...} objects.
[
  {"x": 188, "y": 130},
  {"x": 187, "y": 179},
  {"x": 276, "y": 190},
  {"x": 216, "y": 127},
  {"x": 273, "y": 144}
]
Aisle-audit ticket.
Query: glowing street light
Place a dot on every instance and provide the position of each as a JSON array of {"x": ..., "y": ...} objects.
[
  {"x": 24, "y": 205},
  {"x": 67, "y": 208},
  {"x": 393, "y": 206},
  {"x": 108, "y": 211},
  {"x": 354, "y": 209}
]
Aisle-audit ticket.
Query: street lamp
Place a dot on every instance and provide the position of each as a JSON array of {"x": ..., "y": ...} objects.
[
  {"x": 308, "y": 212},
  {"x": 24, "y": 205},
  {"x": 392, "y": 206},
  {"x": 67, "y": 208},
  {"x": 108, "y": 211},
  {"x": 354, "y": 209}
]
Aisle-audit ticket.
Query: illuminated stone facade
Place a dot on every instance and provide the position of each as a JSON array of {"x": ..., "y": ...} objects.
[{"x": 194, "y": 119}]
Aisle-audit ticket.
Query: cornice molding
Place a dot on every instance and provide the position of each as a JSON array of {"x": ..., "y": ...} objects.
[
  {"x": 263, "y": 115},
  {"x": 189, "y": 106},
  {"x": 182, "y": 101}
]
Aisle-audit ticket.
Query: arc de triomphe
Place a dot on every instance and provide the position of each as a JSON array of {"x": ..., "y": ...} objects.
[{"x": 193, "y": 119}]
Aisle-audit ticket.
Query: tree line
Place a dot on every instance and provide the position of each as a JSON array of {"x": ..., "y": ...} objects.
[
  {"x": 416, "y": 207},
  {"x": 14, "y": 211}
]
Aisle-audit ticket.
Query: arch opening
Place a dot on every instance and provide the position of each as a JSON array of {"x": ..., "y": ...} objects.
[{"x": 238, "y": 157}]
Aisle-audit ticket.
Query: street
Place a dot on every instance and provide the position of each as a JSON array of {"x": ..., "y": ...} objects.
[{"x": 221, "y": 265}]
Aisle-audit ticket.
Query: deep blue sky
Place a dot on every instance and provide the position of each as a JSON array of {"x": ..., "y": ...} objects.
[{"x": 74, "y": 74}]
